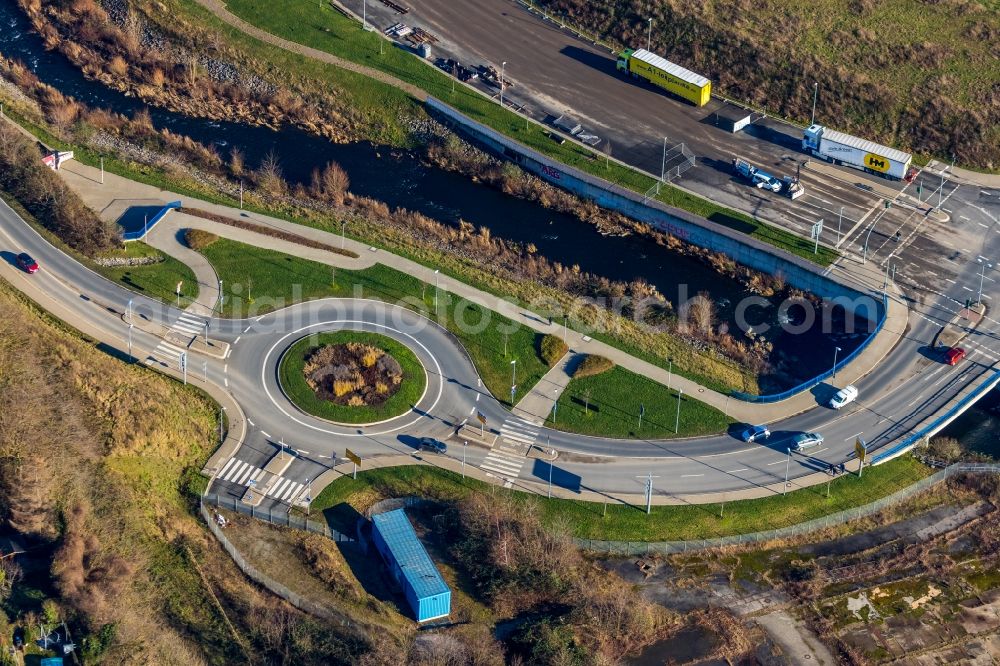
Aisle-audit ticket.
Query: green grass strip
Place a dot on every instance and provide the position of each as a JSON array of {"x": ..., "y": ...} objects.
[{"x": 345, "y": 498}]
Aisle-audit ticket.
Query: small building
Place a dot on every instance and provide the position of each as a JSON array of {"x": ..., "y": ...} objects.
[
  {"x": 733, "y": 118},
  {"x": 411, "y": 566}
]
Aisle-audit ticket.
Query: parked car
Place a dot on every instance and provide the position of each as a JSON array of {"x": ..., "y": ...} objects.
[
  {"x": 843, "y": 397},
  {"x": 806, "y": 440},
  {"x": 432, "y": 445},
  {"x": 954, "y": 355},
  {"x": 29, "y": 265},
  {"x": 755, "y": 432}
]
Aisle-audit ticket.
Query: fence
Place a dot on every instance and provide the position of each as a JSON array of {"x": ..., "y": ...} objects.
[
  {"x": 805, "y": 386},
  {"x": 139, "y": 235},
  {"x": 266, "y": 581},
  {"x": 283, "y": 517},
  {"x": 939, "y": 423},
  {"x": 630, "y": 548}
]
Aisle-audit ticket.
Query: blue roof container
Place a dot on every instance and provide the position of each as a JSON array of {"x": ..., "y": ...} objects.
[{"x": 426, "y": 592}]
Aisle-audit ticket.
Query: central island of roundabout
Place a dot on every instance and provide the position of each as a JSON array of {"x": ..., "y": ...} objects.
[{"x": 351, "y": 377}]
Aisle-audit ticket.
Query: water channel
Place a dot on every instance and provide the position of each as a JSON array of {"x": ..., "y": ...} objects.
[{"x": 400, "y": 179}]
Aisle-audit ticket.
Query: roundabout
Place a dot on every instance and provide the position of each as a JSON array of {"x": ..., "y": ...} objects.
[{"x": 351, "y": 377}]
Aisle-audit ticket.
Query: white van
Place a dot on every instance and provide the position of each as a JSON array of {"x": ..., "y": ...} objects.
[{"x": 844, "y": 396}]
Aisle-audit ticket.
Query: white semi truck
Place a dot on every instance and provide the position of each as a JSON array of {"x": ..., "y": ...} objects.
[{"x": 840, "y": 148}]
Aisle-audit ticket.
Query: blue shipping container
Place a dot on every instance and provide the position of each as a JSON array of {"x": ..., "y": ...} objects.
[{"x": 411, "y": 566}]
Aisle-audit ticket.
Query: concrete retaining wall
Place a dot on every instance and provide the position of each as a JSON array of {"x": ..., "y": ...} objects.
[{"x": 696, "y": 230}]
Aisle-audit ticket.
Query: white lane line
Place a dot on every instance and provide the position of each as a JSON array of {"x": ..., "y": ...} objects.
[
  {"x": 962, "y": 249},
  {"x": 225, "y": 380},
  {"x": 226, "y": 466},
  {"x": 854, "y": 436},
  {"x": 247, "y": 328},
  {"x": 949, "y": 280},
  {"x": 237, "y": 340},
  {"x": 235, "y": 471},
  {"x": 775, "y": 463},
  {"x": 477, "y": 396},
  {"x": 915, "y": 400},
  {"x": 250, "y": 421},
  {"x": 690, "y": 476},
  {"x": 225, "y": 368},
  {"x": 984, "y": 226},
  {"x": 963, "y": 217},
  {"x": 265, "y": 434},
  {"x": 473, "y": 411},
  {"x": 734, "y": 471}
]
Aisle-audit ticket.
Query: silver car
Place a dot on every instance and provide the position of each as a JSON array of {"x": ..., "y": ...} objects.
[{"x": 806, "y": 440}]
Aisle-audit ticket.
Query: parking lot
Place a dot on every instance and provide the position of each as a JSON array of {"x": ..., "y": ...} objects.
[{"x": 553, "y": 73}]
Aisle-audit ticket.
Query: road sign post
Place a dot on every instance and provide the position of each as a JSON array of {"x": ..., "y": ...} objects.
[
  {"x": 642, "y": 410},
  {"x": 482, "y": 423},
  {"x": 861, "y": 449},
  {"x": 184, "y": 366},
  {"x": 354, "y": 458},
  {"x": 179, "y": 285},
  {"x": 817, "y": 230}
]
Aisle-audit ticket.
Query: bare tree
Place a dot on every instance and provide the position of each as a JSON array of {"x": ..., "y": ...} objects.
[{"x": 607, "y": 153}]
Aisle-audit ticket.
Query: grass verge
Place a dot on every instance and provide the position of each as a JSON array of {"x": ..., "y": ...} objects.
[
  {"x": 157, "y": 280},
  {"x": 609, "y": 404},
  {"x": 294, "y": 384},
  {"x": 342, "y": 500},
  {"x": 330, "y": 31},
  {"x": 275, "y": 280}
]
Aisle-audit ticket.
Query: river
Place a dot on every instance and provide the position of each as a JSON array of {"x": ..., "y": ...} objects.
[{"x": 400, "y": 179}]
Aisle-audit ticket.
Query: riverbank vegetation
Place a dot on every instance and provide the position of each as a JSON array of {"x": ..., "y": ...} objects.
[
  {"x": 920, "y": 75},
  {"x": 99, "y": 479}
]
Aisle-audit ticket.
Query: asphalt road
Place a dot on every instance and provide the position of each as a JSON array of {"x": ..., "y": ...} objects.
[{"x": 907, "y": 387}]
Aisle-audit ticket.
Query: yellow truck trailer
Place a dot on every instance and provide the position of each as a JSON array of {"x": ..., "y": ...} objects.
[{"x": 659, "y": 71}]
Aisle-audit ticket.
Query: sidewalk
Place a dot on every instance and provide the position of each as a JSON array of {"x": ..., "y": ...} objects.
[
  {"x": 537, "y": 405},
  {"x": 85, "y": 181},
  {"x": 965, "y": 175},
  {"x": 166, "y": 237}
]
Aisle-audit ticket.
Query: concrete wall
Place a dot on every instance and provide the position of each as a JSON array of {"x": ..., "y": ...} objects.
[{"x": 696, "y": 230}]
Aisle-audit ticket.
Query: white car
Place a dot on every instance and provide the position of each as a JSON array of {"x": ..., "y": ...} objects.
[{"x": 843, "y": 397}]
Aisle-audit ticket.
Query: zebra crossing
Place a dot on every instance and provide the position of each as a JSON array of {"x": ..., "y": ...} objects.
[
  {"x": 507, "y": 456},
  {"x": 185, "y": 326},
  {"x": 243, "y": 474}
]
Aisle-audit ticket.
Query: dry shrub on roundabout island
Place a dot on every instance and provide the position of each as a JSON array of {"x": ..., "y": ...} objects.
[{"x": 353, "y": 374}]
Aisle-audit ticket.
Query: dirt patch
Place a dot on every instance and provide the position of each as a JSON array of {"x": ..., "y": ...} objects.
[{"x": 353, "y": 374}]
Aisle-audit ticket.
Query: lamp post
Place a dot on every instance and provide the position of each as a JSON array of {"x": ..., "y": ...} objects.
[
  {"x": 840, "y": 222},
  {"x": 677, "y": 422},
  {"x": 836, "y": 350},
  {"x": 465, "y": 445},
  {"x": 885, "y": 281},
  {"x": 982, "y": 278},
  {"x": 670, "y": 371},
  {"x": 788, "y": 459},
  {"x": 513, "y": 380},
  {"x": 130, "y": 342},
  {"x": 343, "y": 223},
  {"x": 815, "y": 94},
  {"x": 503, "y": 67},
  {"x": 437, "y": 271},
  {"x": 649, "y": 34}
]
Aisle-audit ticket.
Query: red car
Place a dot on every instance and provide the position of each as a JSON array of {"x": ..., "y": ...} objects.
[
  {"x": 954, "y": 355},
  {"x": 26, "y": 263}
]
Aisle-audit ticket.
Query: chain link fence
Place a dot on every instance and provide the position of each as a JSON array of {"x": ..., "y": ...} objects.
[
  {"x": 630, "y": 548},
  {"x": 282, "y": 517},
  {"x": 264, "y": 580}
]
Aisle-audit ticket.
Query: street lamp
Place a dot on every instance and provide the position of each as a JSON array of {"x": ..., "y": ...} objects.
[
  {"x": 815, "y": 94},
  {"x": 503, "y": 66},
  {"x": 670, "y": 371},
  {"x": 836, "y": 350},
  {"x": 130, "y": 340},
  {"x": 436, "y": 272},
  {"x": 788, "y": 459},
  {"x": 677, "y": 423},
  {"x": 885, "y": 281},
  {"x": 649, "y": 34},
  {"x": 465, "y": 445},
  {"x": 513, "y": 379},
  {"x": 840, "y": 221},
  {"x": 982, "y": 278}
]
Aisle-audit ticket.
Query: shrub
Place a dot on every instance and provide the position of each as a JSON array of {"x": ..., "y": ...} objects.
[
  {"x": 592, "y": 365},
  {"x": 552, "y": 349},
  {"x": 196, "y": 239}
]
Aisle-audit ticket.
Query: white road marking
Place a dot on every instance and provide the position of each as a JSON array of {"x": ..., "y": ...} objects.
[
  {"x": 226, "y": 466},
  {"x": 855, "y": 436},
  {"x": 248, "y": 328},
  {"x": 984, "y": 226},
  {"x": 237, "y": 340},
  {"x": 690, "y": 476},
  {"x": 734, "y": 471},
  {"x": 775, "y": 463},
  {"x": 265, "y": 434},
  {"x": 250, "y": 422}
]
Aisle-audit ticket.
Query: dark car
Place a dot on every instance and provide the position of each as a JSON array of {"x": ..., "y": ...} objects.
[
  {"x": 432, "y": 445},
  {"x": 26, "y": 263},
  {"x": 755, "y": 432}
]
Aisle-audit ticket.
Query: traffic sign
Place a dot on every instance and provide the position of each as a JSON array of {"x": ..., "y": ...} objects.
[
  {"x": 861, "y": 449},
  {"x": 481, "y": 417},
  {"x": 353, "y": 457}
]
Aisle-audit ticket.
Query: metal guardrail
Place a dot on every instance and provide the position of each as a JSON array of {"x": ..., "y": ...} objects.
[
  {"x": 139, "y": 235},
  {"x": 842, "y": 363},
  {"x": 930, "y": 429},
  {"x": 282, "y": 518},
  {"x": 631, "y": 548}
]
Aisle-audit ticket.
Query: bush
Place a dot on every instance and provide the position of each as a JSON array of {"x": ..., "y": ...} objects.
[
  {"x": 196, "y": 239},
  {"x": 592, "y": 365},
  {"x": 552, "y": 349}
]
